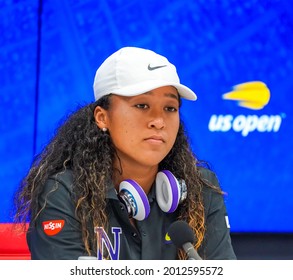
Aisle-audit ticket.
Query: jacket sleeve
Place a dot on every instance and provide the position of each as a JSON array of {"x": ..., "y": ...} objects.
[
  {"x": 217, "y": 241},
  {"x": 56, "y": 234}
]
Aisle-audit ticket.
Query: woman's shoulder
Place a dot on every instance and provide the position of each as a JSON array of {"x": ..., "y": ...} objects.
[
  {"x": 209, "y": 176},
  {"x": 65, "y": 177},
  {"x": 61, "y": 181},
  {"x": 212, "y": 193}
]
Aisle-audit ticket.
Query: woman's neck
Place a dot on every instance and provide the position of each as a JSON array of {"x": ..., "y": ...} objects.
[{"x": 144, "y": 176}]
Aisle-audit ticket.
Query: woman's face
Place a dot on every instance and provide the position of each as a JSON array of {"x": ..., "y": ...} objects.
[{"x": 143, "y": 128}]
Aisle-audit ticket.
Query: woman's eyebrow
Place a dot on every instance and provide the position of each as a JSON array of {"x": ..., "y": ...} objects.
[{"x": 168, "y": 94}]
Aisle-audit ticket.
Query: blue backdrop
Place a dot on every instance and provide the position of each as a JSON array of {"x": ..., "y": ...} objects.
[{"x": 47, "y": 69}]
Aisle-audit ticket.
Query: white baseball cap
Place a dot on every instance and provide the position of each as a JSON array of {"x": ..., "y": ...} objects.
[{"x": 132, "y": 71}]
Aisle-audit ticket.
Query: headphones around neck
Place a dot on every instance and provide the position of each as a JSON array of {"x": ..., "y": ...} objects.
[{"x": 169, "y": 193}]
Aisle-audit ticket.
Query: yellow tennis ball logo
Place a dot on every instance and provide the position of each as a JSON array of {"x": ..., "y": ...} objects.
[
  {"x": 252, "y": 95},
  {"x": 167, "y": 237}
]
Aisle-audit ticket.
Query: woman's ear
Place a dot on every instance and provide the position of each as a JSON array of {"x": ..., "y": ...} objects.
[{"x": 100, "y": 116}]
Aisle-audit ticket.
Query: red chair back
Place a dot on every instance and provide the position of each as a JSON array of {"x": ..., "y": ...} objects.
[{"x": 13, "y": 244}]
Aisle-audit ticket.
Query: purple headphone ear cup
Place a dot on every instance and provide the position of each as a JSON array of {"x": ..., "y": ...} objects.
[
  {"x": 135, "y": 199},
  {"x": 167, "y": 191}
]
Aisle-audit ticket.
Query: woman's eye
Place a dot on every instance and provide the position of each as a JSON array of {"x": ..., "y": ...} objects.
[
  {"x": 171, "y": 109},
  {"x": 141, "y": 106}
]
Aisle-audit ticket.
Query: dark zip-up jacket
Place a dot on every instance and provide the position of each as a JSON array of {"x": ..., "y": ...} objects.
[{"x": 57, "y": 232}]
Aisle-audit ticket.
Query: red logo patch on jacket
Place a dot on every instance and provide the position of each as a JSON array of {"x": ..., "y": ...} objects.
[{"x": 53, "y": 227}]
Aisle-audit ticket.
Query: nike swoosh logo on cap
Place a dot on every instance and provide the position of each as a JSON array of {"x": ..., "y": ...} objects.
[{"x": 155, "y": 67}]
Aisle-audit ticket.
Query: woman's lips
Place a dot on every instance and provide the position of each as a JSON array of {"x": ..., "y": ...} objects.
[{"x": 155, "y": 139}]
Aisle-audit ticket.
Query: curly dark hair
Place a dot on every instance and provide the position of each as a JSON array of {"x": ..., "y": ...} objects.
[{"x": 81, "y": 146}]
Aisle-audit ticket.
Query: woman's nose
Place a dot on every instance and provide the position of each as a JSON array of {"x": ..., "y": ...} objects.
[{"x": 157, "y": 122}]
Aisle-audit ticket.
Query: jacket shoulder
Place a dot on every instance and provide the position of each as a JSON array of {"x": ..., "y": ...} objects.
[
  {"x": 64, "y": 178},
  {"x": 209, "y": 176}
]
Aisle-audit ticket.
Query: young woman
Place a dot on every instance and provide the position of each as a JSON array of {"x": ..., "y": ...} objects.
[{"x": 120, "y": 171}]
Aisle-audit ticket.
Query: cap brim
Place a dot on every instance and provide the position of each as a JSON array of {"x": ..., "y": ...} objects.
[{"x": 146, "y": 86}]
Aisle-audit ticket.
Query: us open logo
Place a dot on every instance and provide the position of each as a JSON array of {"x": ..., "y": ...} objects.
[{"x": 253, "y": 96}]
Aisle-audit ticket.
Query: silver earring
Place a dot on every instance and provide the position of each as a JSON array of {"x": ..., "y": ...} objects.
[{"x": 104, "y": 129}]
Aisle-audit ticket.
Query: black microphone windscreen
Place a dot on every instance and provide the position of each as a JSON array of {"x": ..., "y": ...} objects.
[{"x": 180, "y": 233}]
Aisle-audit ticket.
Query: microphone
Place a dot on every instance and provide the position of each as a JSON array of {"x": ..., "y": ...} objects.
[{"x": 182, "y": 236}]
